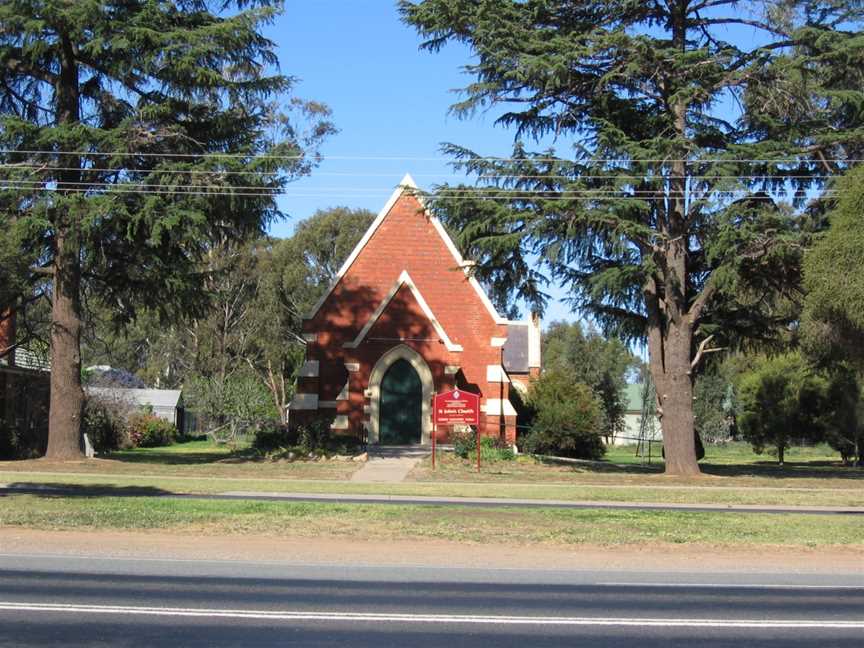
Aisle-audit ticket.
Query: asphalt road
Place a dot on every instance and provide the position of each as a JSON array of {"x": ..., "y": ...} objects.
[{"x": 89, "y": 602}]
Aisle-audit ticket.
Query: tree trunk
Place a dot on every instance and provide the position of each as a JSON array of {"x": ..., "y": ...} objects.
[
  {"x": 67, "y": 397},
  {"x": 674, "y": 386}
]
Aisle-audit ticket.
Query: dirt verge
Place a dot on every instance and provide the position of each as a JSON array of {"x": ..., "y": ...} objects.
[{"x": 332, "y": 551}]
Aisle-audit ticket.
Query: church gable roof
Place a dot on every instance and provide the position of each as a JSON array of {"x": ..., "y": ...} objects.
[
  {"x": 403, "y": 284},
  {"x": 408, "y": 186}
]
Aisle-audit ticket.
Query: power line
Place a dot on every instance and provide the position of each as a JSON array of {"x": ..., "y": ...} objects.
[
  {"x": 610, "y": 176},
  {"x": 411, "y": 158},
  {"x": 370, "y": 190},
  {"x": 221, "y": 191}
]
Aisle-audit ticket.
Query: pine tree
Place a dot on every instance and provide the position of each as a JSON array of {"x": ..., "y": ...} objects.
[
  {"x": 689, "y": 121},
  {"x": 134, "y": 133}
]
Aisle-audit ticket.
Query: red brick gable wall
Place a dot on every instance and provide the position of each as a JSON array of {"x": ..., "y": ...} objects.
[{"x": 406, "y": 240}]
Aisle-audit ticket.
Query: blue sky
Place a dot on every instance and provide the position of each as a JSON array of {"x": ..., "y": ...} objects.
[{"x": 389, "y": 100}]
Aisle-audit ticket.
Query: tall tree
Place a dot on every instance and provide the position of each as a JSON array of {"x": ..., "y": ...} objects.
[
  {"x": 665, "y": 222},
  {"x": 294, "y": 276},
  {"x": 591, "y": 359},
  {"x": 134, "y": 133}
]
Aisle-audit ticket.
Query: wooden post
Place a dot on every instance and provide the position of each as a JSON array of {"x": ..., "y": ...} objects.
[
  {"x": 434, "y": 434},
  {"x": 478, "y": 448}
]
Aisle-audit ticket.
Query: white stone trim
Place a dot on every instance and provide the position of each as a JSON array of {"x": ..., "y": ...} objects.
[
  {"x": 498, "y": 341},
  {"x": 534, "y": 341},
  {"x": 310, "y": 337},
  {"x": 408, "y": 184},
  {"x": 401, "y": 352},
  {"x": 352, "y": 366},
  {"x": 343, "y": 393},
  {"x": 367, "y": 393},
  {"x": 309, "y": 369},
  {"x": 404, "y": 279},
  {"x": 340, "y": 423},
  {"x": 451, "y": 370},
  {"x": 304, "y": 402},
  {"x": 493, "y": 407},
  {"x": 496, "y": 374},
  {"x": 327, "y": 404}
]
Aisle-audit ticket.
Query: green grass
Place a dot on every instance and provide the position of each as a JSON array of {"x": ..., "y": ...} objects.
[
  {"x": 196, "y": 458},
  {"x": 561, "y": 527},
  {"x": 734, "y": 475}
]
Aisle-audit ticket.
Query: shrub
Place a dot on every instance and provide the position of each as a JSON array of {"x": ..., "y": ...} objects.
[
  {"x": 105, "y": 421},
  {"x": 491, "y": 449},
  {"x": 782, "y": 403},
  {"x": 313, "y": 437},
  {"x": 149, "y": 431},
  {"x": 567, "y": 422},
  {"x": 271, "y": 436}
]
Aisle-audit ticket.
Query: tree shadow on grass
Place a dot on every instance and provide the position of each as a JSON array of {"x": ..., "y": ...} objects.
[
  {"x": 789, "y": 470},
  {"x": 63, "y": 490},
  {"x": 764, "y": 469},
  {"x": 169, "y": 458}
]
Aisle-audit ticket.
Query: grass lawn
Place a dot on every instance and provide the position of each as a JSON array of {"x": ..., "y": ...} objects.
[
  {"x": 734, "y": 476},
  {"x": 814, "y": 467},
  {"x": 197, "y": 458},
  {"x": 560, "y": 527}
]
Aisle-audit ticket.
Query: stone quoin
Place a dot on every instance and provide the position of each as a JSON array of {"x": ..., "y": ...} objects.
[{"x": 404, "y": 320}]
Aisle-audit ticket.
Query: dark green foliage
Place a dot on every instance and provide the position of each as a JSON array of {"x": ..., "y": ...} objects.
[
  {"x": 105, "y": 423},
  {"x": 271, "y": 436},
  {"x": 491, "y": 449},
  {"x": 783, "y": 401},
  {"x": 834, "y": 279},
  {"x": 602, "y": 364},
  {"x": 309, "y": 439},
  {"x": 137, "y": 135},
  {"x": 146, "y": 430},
  {"x": 259, "y": 291},
  {"x": 664, "y": 219},
  {"x": 568, "y": 418}
]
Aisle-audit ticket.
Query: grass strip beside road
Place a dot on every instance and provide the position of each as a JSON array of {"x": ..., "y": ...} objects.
[
  {"x": 492, "y": 525},
  {"x": 659, "y": 492}
]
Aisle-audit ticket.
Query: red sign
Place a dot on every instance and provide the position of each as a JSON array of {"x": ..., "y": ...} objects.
[{"x": 456, "y": 407}]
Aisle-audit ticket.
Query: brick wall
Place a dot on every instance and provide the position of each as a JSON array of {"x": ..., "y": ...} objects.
[{"x": 405, "y": 241}]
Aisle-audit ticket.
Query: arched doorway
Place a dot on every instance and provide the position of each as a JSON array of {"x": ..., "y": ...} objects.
[
  {"x": 376, "y": 377},
  {"x": 401, "y": 405}
]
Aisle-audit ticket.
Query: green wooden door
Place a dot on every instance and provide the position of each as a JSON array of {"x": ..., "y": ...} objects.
[{"x": 401, "y": 404}]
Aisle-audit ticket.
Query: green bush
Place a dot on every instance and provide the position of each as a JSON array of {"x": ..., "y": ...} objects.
[
  {"x": 568, "y": 419},
  {"x": 491, "y": 449},
  {"x": 149, "y": 431},
  {"x": 105, "y": 424},
  {"x": 272, "y": 435},
  {"x": 313, "y": 437},
  {"x": 783, "y": 402}
]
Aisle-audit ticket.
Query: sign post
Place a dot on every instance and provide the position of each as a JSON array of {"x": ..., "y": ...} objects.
[
  {"x": 434, "y": 434},
  {"x": 456, "y": 407}
]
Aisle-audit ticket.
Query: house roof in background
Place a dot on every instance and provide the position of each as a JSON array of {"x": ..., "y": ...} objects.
[
  {"x": 28, "y": 359},
  {"x": 165, "y": 398},
  {"x": 633, "y": 397},
  {"x": 516, "y": 348}
]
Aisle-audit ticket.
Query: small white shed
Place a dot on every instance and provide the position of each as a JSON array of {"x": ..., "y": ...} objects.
[{"x": 166, "y": 403}]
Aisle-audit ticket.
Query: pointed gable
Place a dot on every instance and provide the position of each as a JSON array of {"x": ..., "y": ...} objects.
[
  {"x": 403, "y": 315},
  {"x": 405, "y": 238}
]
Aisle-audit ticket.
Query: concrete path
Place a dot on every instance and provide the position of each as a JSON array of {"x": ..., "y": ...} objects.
[{"x": 391, "y": 464}]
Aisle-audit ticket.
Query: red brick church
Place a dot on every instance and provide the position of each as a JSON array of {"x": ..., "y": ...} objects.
[{"x": 403, "y": 320}]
